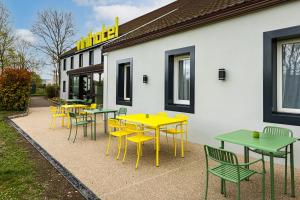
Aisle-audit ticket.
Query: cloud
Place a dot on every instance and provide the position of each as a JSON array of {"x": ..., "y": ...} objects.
[
  {"x": 25, "y": 35},
  {"x": 105, "y": 11}
]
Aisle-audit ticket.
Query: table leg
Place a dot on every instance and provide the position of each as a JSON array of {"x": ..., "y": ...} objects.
[
  {"x": 272, "y": 175},
  {"x": 182, "y": 147},
  {"x": 105, "y": 123},
  {"x": 95, "y": 118},
  {"x": 292, "y": 170},
  {"x": 246, "y": 158},
  {"x": 222, "y": 180},
  {"x": 157, "y": 146}
]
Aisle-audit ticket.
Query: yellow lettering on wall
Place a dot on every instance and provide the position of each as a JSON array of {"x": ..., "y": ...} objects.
[{"x": 99, "y": 37}]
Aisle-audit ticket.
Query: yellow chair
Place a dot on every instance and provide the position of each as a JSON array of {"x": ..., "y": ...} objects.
[
  {"x": 179, "y": 129},
  {"x": 56, "y": 113},
  {"x": 139, "y": 139},
  {"x": 118, "y": 130}
]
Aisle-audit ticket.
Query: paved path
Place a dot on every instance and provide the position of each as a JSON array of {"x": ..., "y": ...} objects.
[{"x": 39, "y": 101}]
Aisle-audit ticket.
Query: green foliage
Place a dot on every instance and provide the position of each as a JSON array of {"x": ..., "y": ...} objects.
[
  {"x": 52, "y": 91},
  {"x": 14, "y": 89}
]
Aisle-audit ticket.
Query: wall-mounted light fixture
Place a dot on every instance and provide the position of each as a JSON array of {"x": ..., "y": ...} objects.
[
  {"x": 222, "y": 74},
  {"x": 145, "y": 79}
]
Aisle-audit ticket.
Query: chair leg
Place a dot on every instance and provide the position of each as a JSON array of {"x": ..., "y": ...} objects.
[
  {"x": 167, "y": 141},
  {"x": 206, "y": 184},
  {"x": 108, "y": 145},
  {"x": 224, "y": 188},
  {"x": 54, "y": 122},
  {"x": 125, "y": 150},
  {"x": 285, "y": 172},
  {"x": 75, "y": 134},
  {"x": 119, "y": 147},
  {"x": 263, "y": 186},
  {"x": 139, "y": 154},
  {"x": 238, "y": 191},
  {"x": 175, "y": 145},
  {"x": 70, "y": 132}
]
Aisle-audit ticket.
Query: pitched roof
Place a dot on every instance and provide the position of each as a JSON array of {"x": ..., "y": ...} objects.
[{"x": 180, "y": 16}]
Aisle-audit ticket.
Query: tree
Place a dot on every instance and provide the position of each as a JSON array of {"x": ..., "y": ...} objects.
[
  {"x": 6, "y": 37},
  {"x": 54, "y": 31}
]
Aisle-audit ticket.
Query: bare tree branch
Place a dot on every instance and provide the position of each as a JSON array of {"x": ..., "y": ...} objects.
[{"x": 54, "y": 31}]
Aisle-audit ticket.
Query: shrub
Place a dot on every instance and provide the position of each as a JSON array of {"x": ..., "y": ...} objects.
[
  {"x": 14, "y": 89},
  {"x": 52, "y": 91}
]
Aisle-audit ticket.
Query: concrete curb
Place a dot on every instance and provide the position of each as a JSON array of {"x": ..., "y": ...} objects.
[{"x": 76, "y": 183}]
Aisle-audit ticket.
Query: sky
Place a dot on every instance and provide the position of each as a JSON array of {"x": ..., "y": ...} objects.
[{"x": 89, "y": 15}]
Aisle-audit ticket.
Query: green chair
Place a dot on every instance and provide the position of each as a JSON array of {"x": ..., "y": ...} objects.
[
  {"x": 277, "y": 131},
  {"x": 229, "y": 169},
  {"x": 122, "y": 111},
  {"x": 79, "y": 120}
]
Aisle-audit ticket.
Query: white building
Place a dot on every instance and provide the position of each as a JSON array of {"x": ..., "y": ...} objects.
[{"x": 180, "y": 49}]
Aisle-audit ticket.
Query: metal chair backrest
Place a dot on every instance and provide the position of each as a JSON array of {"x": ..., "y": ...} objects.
[
  {"x": 72, "y": 115},
  {"x": 130, "y": 127},
  {"x": 220, "y": 155},
  {"x": 89, "y": 101},
  {"x": 162, "y": 114},
  {"x": 93, "y": 106},
  {"x": 122, "y": 111},
  {"x": 113, "y": 123},
  {"x": 53, "y": 109},
  {"x": 278, "y": 131}
]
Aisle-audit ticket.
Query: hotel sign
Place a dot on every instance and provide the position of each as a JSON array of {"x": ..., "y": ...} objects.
[{"x": 96, "y": 38}]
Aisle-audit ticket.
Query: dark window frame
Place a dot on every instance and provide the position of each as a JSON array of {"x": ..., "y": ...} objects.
[
  {"x": 169, "y": 85},
  {"x": 80, "y": 60},
  {"x": 72, "y": 62},
  {"x": 64, "y": 86},
  {"x": 65, "y": 64},
  {"x": 270, "y": 39},
  {"x": 120, "y": 98},
  {"x": 91, "y": 57}
]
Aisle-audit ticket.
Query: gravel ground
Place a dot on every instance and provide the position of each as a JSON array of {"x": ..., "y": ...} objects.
[{"x": 176, "y": 178}]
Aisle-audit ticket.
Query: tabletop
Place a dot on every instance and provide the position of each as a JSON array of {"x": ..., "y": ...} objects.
[
  {"x": 96, "y": 111},
  {"x": 265, "y": 142},
  {"x": 74, "y": 106},
  {"x": 152, "y": 120}
]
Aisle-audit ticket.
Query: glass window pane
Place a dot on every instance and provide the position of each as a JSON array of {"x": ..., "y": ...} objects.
[
  {"x": 184, "y": 80},
  {"x": 127, "y": 82},
  {"x": 291, "y": 75}
]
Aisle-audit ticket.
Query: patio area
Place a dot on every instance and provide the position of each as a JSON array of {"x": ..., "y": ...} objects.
[{"x": 108, "y": 178}]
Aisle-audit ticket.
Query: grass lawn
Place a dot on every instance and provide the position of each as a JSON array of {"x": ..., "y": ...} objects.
[
  {"x": 25, "y": 173},
  {"x": 17, "y": 170}
]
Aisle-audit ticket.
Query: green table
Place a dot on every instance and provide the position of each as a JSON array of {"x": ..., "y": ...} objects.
[
  {"x": 74, "y": 101},
  {"x": 267, "y": 143},
  {"x": 101, "y": 111}
]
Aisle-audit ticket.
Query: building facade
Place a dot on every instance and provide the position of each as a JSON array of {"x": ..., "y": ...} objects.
[{"x": 259, "y": 50}]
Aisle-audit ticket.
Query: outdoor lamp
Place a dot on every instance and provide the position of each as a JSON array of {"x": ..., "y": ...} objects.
[
  {"x": 145, "y": 79},
  {"x": 222, "y": 74}
]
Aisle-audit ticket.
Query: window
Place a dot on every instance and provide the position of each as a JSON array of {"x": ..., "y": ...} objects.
[
  {"x": 288, "y": 76},
  {"x": 64, "y": 86},
  {"x": 65, "y": 64},
  {"x": 124, "y": 82},
  {"x": 180, "y": 79},
  {"x": 72, "y": 63},
  {"x": 80, "y": 60},
  {"x": 91, "y": 57},
  {"x": 282, "y": 76}
]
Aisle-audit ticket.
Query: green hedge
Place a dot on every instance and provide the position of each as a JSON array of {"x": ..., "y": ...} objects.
[
  {"x": 52, "y": 91},
  {"x": 14, "y": 89}
]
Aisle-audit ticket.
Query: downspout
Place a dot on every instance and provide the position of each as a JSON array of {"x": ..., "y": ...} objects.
[{"x": 105, "y": 81}]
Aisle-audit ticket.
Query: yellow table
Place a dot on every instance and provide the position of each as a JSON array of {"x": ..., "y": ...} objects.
[
  {"x": 156, "y": 122},
  {"x": 66, "y": 109}
]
